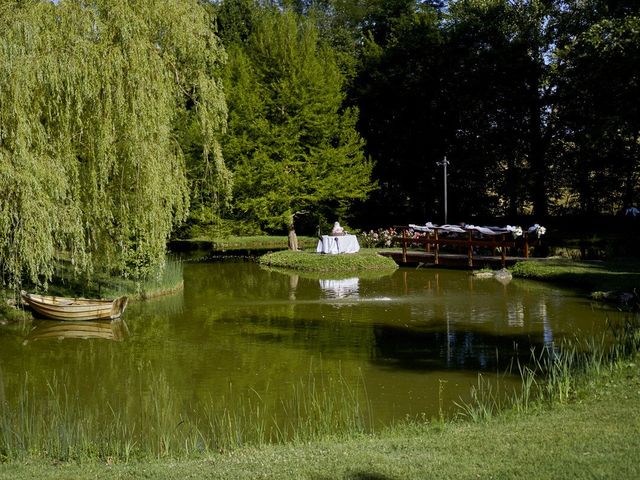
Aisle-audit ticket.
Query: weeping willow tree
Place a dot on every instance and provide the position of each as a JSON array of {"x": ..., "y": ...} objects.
[{"x": 90, "y": 95}]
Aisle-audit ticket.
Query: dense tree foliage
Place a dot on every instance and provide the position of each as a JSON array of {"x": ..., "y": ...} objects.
[
  {"x": 90, "y": 96},
  {"x": 524, "y": 98},
  {"x": 598, "y": 77},
  {"x": 471, "y": 85},
  {"x": 292, "y": 146},
  {"x": 398, "y": 91},
  {"x": 113, "y": 117},
  {"x": 499, "y": 91}
]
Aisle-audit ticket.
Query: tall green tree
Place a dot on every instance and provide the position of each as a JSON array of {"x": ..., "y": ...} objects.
[
  {"x": 90, "y": 166},
  {"x": 598, "y": 88},
  {"x": 292, "y": 145}
]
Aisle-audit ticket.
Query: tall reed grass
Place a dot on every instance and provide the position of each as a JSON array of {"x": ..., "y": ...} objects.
[
  {"x": 554, "y": 375},
  {"x": 152, "y": 424},
  {"x": 108, "y": 285}
]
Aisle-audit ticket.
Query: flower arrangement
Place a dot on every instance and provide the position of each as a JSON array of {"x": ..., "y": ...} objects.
[
  {"x": 416, "y": 238},
  {"x": 383, "y": 237}
]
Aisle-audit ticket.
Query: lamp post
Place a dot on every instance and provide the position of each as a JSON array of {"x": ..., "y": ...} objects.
[{"x": 444, "y": 164}]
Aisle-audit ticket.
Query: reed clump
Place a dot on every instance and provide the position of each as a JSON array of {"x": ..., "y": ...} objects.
[
  {"x": 164, "y": 281},
  {"x": 555, "y": 374},
  {"x": 152, "y": 424}
]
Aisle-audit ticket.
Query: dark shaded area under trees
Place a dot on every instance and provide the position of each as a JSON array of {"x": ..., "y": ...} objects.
[{"x": 516, "y": 96}]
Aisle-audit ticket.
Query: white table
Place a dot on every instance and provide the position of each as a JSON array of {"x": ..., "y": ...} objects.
[{"x": 338, "y": 244}]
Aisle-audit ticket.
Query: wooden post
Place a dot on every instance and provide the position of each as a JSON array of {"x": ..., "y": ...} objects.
[
  {"x": 404, "y": 245},
  {"x": 436, "y": 255},
  {"x": 503, "y": 251},
  {"x": 469, "y": 250},
  {"x": 526, "y": 244}
]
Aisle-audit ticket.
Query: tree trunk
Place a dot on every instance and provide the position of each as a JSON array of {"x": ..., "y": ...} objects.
[
  {"x": 537, "y": 148},
  {"x": 293, "y": 238},
  {"x": 631, "y": 186}
]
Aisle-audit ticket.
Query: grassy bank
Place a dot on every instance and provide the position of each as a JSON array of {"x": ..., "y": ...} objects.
[
  {"x": 618, "y": 274},
  {"x": 243, "y": 243},
  {"x": 10, "y": 314},
  {"x": 310, "y": 261}
]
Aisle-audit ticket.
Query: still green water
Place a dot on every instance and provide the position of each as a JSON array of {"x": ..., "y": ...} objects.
[{"x": 409, "y": 344}]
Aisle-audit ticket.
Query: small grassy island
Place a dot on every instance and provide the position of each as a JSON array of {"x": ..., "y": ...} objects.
[{"x": 366, "y": 260}]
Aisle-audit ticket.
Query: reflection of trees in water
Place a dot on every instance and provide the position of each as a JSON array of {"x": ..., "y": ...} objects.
[
  {"x": 547, "y": 332},
  {"x": 293, "y": 286},
  {"x": 329, "y": 337},
  {"x": 468, "y": 336},
  {"x": 439, "y": 349},
  {"x": 231, "y": 281},
  {"x": 456, "y": 322},
  {"x": 436, "y": 318},
  {"x": 515, "y": 314},
  {"x": 3, "y": 396}
]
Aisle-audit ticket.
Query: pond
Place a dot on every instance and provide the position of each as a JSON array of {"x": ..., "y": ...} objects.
[{"x": 407, "y": 344}]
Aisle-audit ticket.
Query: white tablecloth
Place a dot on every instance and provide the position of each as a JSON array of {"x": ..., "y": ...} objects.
[{"x": 340, "y": 244}]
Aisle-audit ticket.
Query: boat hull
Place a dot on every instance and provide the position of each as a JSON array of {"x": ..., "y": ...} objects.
[{"x": 75, "y": 309}]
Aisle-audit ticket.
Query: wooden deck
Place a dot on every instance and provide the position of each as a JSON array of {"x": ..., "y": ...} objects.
[
  {"x": 451, "y": 260},
  {"x": 461, "y": 250}
]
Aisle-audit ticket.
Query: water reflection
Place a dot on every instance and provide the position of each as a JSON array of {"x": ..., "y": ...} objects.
[
  {"x": 515, "y": 314},
  {"x": 439, "y": 349},
  {"x": 48, "y": 329},
  {"x": 415, "y": 319},
  {"x": 347, "y": 287},
  {"x": 293, "y": 285}
]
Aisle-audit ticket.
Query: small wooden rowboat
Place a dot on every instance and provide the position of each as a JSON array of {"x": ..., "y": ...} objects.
[{"x": 75, "y": 309}]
